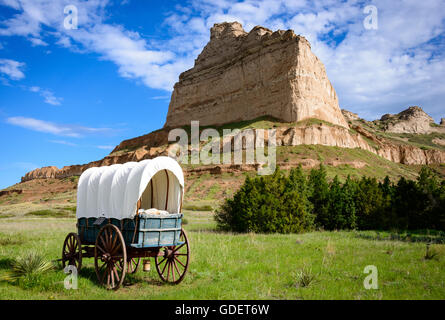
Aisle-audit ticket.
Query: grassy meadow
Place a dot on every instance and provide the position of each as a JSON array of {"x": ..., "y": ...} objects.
[{"x": 317, "y": 265}]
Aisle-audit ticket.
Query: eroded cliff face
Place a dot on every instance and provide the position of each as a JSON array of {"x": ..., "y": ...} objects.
[
  {"x": 243, "y": 76},
  {"x": 156, "y": 144}
]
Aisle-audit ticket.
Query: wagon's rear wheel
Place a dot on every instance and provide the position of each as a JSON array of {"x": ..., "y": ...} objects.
[
  {"x": 132, "y": 265},
  {"x": 109, "y": 253},
  {"x": 72, "y": 251},
  {"x": 173, "y": 264}
]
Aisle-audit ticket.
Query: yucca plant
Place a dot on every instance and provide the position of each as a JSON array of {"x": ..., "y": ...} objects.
[
  {"x": 304, "y": 277},
  {"x": 29, "y": 267}
]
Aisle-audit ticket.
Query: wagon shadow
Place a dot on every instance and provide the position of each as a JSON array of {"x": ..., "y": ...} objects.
[
  {"x": 131, "y": 280},
  {"x": 135, "y": 279},
  {"x": 88, "y": 273}
]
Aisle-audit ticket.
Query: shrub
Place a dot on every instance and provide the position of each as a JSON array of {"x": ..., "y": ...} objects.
[
  {"x": 267, "y": 204},
  {"x": 297, "y": 203},
  {"x": 28, "y": 269}
]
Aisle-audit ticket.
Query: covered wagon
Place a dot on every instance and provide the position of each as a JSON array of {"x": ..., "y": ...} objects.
[{"x": 126, "y": 212}]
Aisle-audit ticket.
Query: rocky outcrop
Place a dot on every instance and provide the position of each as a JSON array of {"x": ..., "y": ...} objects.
[
  {"x": 350, "y": 116},
  {"x": 41, "y": 173},
  {"x": 10, "y": 191},
  {"x": 321, "y": 134},
  {"x": 411, "y": 120},
  {"x": 442, "y": 121},
  {"x": 402, "y": 153},
  {"x": 243, "y": 76},
  {"x": 156, "y": 144}
]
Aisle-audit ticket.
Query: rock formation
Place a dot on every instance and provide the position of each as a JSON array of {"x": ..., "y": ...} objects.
[
  {"x": 41, "y": 173},
  {"x": 350, "y": 116},
  {"x": 411, "y": 120},
  {"x": 243, "y": 76}
]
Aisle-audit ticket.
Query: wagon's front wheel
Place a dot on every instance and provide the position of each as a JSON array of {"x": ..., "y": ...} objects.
[
  {"x": 110, "y": 253},
  {"x": 72, "y": 251},
  {"x": 173, "y": 264}
]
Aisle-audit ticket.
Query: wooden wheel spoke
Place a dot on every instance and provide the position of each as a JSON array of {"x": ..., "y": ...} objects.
[
  {"x": 112, "y": 277},
  {"x": 108, "y": 236},
  {"x": 116, "y": 273},
  {"x": 100, "y": 248},
  {"x": 178, "y": 248},
  {"x": 180, "y": 262},
  {"x": 164, "y": 267},
  {"x": 114, "y": 250},
  {"x": 102, "y": 266},
  {"x": 168, "y": 270},
  {"x": 175, "y": 268},
  {"x": 108, "y": 276},
  {"x": 104, "y": 244},
  {"x": 114, "y": 241},
  {"x": 162, "y": 261}
]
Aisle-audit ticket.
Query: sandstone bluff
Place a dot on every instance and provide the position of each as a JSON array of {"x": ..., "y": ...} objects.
[{"x": 243, "y": 76}]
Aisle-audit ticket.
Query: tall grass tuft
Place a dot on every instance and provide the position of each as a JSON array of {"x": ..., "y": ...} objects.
[
  {"x": 28, "y": 268},
  {"x": 304, "y": 277},
  {"x": 431, "y": 253}
]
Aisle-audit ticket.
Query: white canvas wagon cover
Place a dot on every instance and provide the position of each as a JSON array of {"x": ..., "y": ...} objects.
[{"x": 114, "y": 191}]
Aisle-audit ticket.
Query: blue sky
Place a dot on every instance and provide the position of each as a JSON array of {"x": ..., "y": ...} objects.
[{"x": 69, "y": 96}]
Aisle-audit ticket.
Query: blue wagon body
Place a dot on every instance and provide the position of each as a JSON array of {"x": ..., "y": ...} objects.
[{"x": 140, "y": 232}]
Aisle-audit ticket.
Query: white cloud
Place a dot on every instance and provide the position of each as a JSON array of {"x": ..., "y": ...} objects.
[
  {"x": 37, "y": 42},
  {"x": 63, "y": 142},
  {"x": 73, "y": 131},
  {"x": 12, "y": 69},
  {"x": 48, "y": 95},
  {"x": 134, "y": 56},
  {"x": 106, "y": 147},
  {"x": 160, "y": 98}
]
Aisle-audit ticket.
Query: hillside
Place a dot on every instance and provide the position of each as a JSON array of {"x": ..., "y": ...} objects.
[{"x": 207, "y": 185}]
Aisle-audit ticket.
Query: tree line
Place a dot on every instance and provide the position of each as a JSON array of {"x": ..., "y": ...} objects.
[{"x": 300, "y": 202}]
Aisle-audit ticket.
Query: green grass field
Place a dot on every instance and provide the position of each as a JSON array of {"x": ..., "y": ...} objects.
[{"x": 317, "y": 265}]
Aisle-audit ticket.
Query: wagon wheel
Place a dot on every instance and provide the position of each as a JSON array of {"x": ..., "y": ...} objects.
[
  {"x": 132, "y": 265},
  {"x": 72, "y": 251},
  {"x": 109, "y": 253},
  {"x": 173, "y": 264}
]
